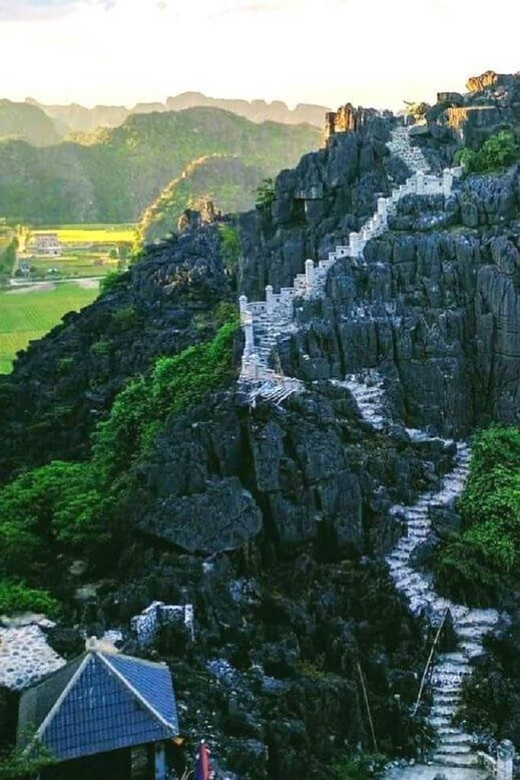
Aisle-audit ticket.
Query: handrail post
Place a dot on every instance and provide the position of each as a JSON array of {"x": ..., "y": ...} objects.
[{"x": 428, "y": 663}]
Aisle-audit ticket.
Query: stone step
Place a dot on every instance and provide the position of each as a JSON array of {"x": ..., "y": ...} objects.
[
  {"x": 471, "y": 649},
  {"x": 447, "y": 687},
  {"x": 456, "y": 749},
  {"x": 438, "y": 721},
  {"x": 440, "y": 709},
  {"x": 465, "y": 760},
  {"x": 472, "y": 631},
  {"x": 449, "y": 735},
  {"x": 454, "y": 658},
  {"x": 479, "y": 617},
  {"x": 448, "y": 698}
]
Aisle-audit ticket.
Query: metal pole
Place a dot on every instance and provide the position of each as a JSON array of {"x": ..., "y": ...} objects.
[
  {"x": 367, "y": 704},
  {"x": 428, "y": 662}
]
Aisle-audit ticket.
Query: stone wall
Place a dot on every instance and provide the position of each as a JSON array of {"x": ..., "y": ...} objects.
[{"x": 147, "y": 625}]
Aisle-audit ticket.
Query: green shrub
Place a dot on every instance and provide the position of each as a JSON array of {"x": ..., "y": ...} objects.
[
  {"x": 174, "y": 383},
  {"x": 101, "y": 347},
  {"x": 265, "y": 194},
  {"x": 65, "y": 366},
  {"x": 21, "y": 765},
  {"x": 60, "y": 504},
  {"x": 478, "y": 563},
  {"x": 230, "y": 247},
  {"x": 109, "y": 282},
  {"x": 498, "y": 152},
  {"x": 359, "y": 767},
  {"x": 8, "y": 259},
  {"x": 465, "y": 571},
  {"x": 124, "y": 319},
  {"x": 17, "y": 597}
]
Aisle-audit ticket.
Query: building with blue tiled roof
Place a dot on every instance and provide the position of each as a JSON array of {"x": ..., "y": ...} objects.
[{"x": 96, "y": 712}]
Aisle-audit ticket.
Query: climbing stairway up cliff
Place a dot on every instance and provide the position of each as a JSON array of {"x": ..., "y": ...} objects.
[
  {"x": 413, "y": 156},
  {"x": 266, "y": 322},
  {"x": 454, "y": 746}
]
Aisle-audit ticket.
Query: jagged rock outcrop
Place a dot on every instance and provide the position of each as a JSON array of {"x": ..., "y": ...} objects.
[
  {"x": 300, "y": 468},
  {"x": 491, "y": 104},
  {"x": 416, "y": 306},
  {"x": 480, "y": 83},
  {"x": 348, "y": 119},
  {"x": 316, "y": 205}
]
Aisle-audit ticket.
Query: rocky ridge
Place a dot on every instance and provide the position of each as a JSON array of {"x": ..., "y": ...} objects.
[
  {"x": 286, "y": 608},
  {"x": 265, "y": 322},
  {"x": 454, "y": 747}
]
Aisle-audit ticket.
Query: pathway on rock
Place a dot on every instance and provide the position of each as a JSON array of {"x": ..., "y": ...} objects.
[
  {"x": 454, "y": 746},
  {"x": 266, "y": 322},
  {"x": 422, "y": 772}
]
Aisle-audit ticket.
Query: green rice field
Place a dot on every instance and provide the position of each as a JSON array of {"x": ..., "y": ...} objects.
[
  {"x": 73, "y": 262},
  {"x": 29, "y": 313}
]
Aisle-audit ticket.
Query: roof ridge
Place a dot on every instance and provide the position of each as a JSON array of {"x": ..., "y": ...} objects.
[
  {"x": 61, "y": 698},
  {"x": 157, "y": 664},
  {"x": 127, "y": 684}
]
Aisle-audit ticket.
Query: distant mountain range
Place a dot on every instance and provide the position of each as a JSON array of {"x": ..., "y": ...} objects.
[
  {"x": 75, "y": 118},
  {"x": 121, "y": 171},
  {"x": 25, "y": 122}
]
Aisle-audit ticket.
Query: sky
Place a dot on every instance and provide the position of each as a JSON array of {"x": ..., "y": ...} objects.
[{"x": 329, "y": 52}]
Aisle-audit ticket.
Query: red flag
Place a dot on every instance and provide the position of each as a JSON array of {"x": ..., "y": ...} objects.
[{"x": 202, "y": 768}]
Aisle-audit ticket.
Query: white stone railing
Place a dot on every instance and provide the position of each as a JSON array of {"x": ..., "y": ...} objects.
[
  {"x": 264, "y": 321},
  {"x": 501, "y": 767}
]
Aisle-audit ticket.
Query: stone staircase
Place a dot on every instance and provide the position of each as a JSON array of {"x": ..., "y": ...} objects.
[
  {"x": 400, "y": 146},
  {"x": 266, "y": 322},
  {"x": 454, "y": 748}
]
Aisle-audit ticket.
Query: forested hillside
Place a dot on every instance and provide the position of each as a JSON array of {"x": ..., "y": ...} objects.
[{"x": 118, "y": 175}]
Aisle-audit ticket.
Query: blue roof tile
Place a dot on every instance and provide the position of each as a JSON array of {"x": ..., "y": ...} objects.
[
  {"x": 152, "y": 681},
  {"x": 100, "y": 711}
]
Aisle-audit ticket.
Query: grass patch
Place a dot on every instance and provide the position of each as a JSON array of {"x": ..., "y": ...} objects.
[
  {"x": 29, "y": 314},
  {"x": 73, "y": 262}
]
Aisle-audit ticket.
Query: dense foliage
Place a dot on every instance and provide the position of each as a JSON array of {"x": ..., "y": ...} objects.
[
  {"x": 117, "y": 176},
  {"x": 15, "y": 596},
  {"x": 359, "y": 767},
  {"x": 498, "y": 152},
  {"x": 142, "y": 407},
  {"x": 475, "y": 565},
  {"x": 265, "y": 194},
  {"x": 230, "y": 247},
  {"x": 71, "y": 509},
  {"x": 19, "y": 765},
  {"x": 55, "y": 507}
]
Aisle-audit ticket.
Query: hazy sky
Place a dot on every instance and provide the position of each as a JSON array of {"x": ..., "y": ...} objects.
[{"x": 320, "y": 51}]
